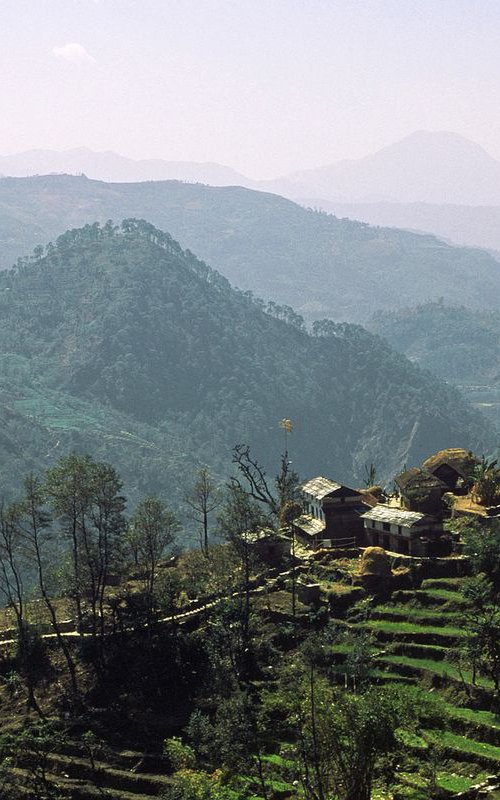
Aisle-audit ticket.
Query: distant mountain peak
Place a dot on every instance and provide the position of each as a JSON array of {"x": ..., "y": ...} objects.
[
  {"x": 437, "y": 141},
  {"x": 110, "y": 166},
  {"x": 425, "y": 166}
]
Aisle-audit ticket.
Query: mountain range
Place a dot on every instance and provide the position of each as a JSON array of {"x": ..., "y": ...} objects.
[
  {"x": 321, "y": 265},
  {"x": 476, "y": 226},
  {"x": 429, "y": 182},
  {"x": 109, "y": 166},
  {"x": 430, "y": 167},
  {"x": 115, "y": 341},
  {"x": 424, "y": 167}
]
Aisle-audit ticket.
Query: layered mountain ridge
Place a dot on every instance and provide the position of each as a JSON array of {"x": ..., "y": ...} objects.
[
  {"x": 117, "y": 342},
  {"x": 425, "y": 166},
  {"x": 319, "y": 264}
]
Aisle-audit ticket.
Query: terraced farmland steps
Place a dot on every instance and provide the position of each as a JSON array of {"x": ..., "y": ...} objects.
[
  {"x": 439, "y": 592},
  {"x": 412, "y": 637},
  {"x": 125, "y": 775}
]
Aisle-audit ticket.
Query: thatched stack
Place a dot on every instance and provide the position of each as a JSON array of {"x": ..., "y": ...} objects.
[
  {"x": 374, "y": 572},
  {"x": 375, "y": 561},
  {"x": 452, "y": 455}
]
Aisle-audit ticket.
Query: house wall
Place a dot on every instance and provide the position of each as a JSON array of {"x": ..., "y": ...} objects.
[
  {"x": 313, "y": 506},
  {"x": 415, "y": 541},
  {"x": 344, "y": 522}
]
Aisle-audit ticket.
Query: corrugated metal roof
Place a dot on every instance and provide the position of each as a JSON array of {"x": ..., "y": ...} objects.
[
  {"x": 320, "y": 487},
  {"x": 309, "y": 525},
  {"x": 395, "y": 515}
]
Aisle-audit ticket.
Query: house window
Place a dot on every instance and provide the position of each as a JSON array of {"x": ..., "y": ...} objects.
[
  {"x": 374, "y": 524},
  {"x": 400, "y": 530},
  {"x": 387, "y": 526}
]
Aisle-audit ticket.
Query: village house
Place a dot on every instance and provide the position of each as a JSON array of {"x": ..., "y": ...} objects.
[
  {"x": 407, "y": 532},
  {"x": 420, "y": 490},
  {"x": 454, "y": 467},
  {"x": 268, "y": 546},
  {"x": 331, "y": 516}
]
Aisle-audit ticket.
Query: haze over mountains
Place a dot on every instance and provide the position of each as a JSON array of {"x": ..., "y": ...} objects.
[
  {"x": 109, "y": 166},
  {"x": 455, "y": 343},
  {"x": 432, "y": 182},
  {"x": 320, "y": 265},
  {"x": 476, "y": 226},
  {"x": 425, "y": 167}
]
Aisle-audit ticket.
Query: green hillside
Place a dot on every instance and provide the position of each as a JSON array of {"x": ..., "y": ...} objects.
[
  {"x": 321, "y": 265},
  {"x": 458, "y": 344},
  {"x": 117, "y": 342}
]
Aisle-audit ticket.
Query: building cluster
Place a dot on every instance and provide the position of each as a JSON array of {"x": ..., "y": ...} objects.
[{"x": 409, "y": 522}]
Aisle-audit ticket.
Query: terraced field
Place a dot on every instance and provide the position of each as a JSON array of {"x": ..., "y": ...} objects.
[
  {"x": 127, "y": 775},
  {"x": 415, "y": 638}
]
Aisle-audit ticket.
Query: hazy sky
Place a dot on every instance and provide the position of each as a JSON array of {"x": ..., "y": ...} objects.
[{"x": 265, "y": 86}]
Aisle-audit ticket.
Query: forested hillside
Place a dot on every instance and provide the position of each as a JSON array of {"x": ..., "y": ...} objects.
[
  {"x": 116, "y": 342},
  {"x": 456, "y": 343},
  {"x": 321, "y": 265}
]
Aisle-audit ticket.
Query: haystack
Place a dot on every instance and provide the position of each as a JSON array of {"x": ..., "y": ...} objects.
[
  {"x": 375, "y": 563},
  {"x": 462, "y": 460}
]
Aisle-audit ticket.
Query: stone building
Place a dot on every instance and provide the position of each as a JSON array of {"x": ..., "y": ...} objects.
[
  {"x": 420, "y": 490},
  {"x": 407, "y": 532},
  {"x": 332, "y": 514}
]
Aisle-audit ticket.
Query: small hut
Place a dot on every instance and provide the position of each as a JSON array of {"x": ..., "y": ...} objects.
[{"x": 420, "y": 490}]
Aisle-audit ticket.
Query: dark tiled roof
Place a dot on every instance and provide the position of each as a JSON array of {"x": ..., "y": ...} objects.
[{"x": 416, "y": 478}]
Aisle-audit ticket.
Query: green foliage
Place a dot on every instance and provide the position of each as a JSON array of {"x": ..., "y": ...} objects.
[
  {"x": 343, "y": 736},
  {"x": 483, "y": 630},
  {"x": 239, "y": 514},
  {"x": 31, "y": 748},
  {"x": 191, "y": 784},
  {"x": 328, "y": 267},
  {"x": 482, "y": 545},
  {"x": 118, "y": 343},
  {"x": 459, "y": 344},
  {"x": 486, "y": 477},
  {"x": 180, "y": 755},
  {"x": 202, "y": 499}
]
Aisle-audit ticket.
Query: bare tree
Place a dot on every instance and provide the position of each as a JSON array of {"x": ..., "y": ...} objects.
[
  {"x": 203, "y": 499},
  {"x": 34, "y": 524},
  {"x": 89, "y": 508},
  {"x": 253, "y": 480},
  {"x": 12, "y": 566},
  {"x": 152, "y": 529}
]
